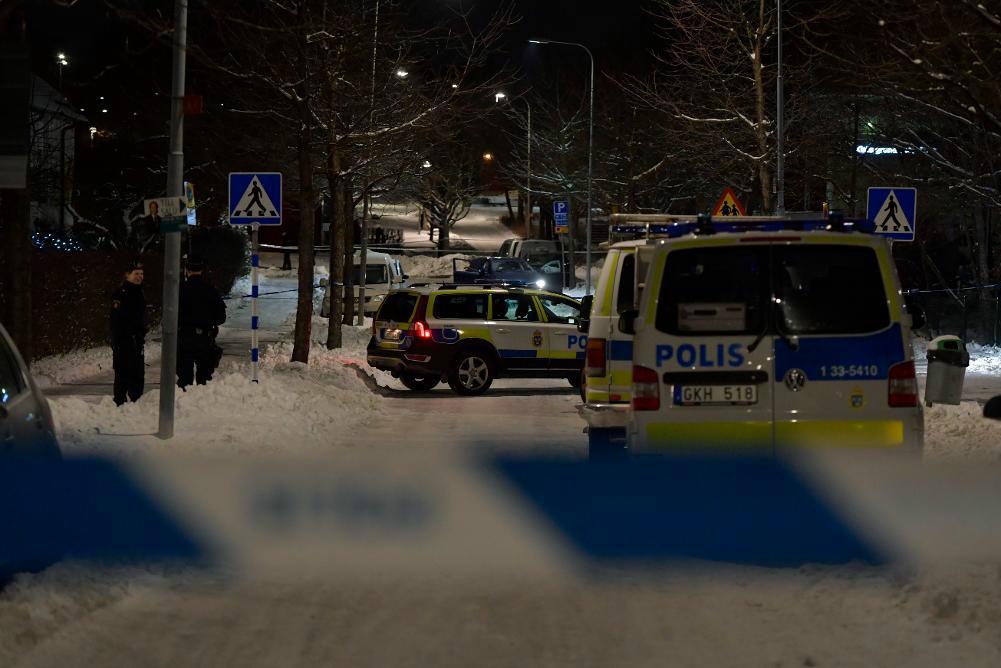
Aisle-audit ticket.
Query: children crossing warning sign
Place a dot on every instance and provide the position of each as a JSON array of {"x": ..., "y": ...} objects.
[
  {"x": 728, "y": 205},
  {"x": 893, "y": 212}
]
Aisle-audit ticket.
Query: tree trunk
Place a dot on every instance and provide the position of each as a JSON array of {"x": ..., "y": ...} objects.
[
  {"x": 304, "y": 308},
  {"x": 510, "y": 211},
  {"x": 348, "y": 217},
  {"x": 334, "y": 336},
  {"x": 761, "y": 129}
]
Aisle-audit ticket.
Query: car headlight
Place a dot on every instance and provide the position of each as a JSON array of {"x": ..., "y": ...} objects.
[{"x": 540, "y": 283}]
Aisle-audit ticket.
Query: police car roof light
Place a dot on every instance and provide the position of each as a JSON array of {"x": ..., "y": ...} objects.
[{"x": 676, "y": 229}]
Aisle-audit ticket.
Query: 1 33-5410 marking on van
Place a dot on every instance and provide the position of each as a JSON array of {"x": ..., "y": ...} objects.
[
  {"x": 850, "y": 371},
  {"x": 705, "y": 355}
]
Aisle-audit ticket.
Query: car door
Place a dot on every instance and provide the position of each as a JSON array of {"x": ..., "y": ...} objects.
[
  {"x": 838, "y": 344},
  {"x": 517, "y": 331},
  {"x": 702, "y": 350},
  {"x": 566, "y": 345},
  {"x": 21, "y": 418}
]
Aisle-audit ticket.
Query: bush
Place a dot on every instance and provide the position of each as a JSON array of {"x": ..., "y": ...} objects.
[{"x": 225, "y": 251}]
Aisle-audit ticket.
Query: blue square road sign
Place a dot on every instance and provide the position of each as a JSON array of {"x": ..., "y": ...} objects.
[{"x": 255, "y": 197}]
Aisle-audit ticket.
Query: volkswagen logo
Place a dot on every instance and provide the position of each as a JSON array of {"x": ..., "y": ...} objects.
[{"x": 795, "y": 379}]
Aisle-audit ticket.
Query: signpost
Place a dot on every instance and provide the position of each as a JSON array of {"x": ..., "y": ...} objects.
[
  {"x": 893, "y": 212},
  {"x": 255, "y": 199},
  {"x": 561, "y": 216}
]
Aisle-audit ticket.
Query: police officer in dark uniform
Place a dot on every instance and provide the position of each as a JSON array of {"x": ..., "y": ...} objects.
[
  {"x": 128, "y": 335},
  {"x": 200, "y": 312}
]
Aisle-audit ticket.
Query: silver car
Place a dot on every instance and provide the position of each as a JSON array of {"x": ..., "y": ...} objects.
[{"x": 26, "y": 425}]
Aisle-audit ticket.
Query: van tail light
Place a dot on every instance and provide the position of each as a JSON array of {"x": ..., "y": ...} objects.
[
  {"x": 903, "y": 386},
  {"x": 646, "y": 389},
  {"x": 595, "y": 364},
  {"x": 422, "y": 330}
]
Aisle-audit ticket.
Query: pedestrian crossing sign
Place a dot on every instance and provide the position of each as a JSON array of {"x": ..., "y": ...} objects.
[
  {"x": 255, "y": 197},
  {"x": 893, "y": 212}
]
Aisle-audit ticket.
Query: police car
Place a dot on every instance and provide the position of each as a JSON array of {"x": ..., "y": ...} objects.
[
  {"x": 777, "y": 335},
  {"x": 469, "y": 335}
]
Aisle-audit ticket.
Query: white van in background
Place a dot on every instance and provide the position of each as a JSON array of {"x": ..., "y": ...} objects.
[{"x": 383, "y": 273}]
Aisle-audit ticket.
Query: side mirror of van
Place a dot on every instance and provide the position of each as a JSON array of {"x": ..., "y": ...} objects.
[
  {"x": 585, "y": 313},
  {"x": 627, "y": 321},
  {"x": 918, "y": 319}
]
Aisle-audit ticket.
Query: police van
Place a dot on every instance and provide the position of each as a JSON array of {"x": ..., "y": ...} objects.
[
  {"x": 469, "y": 335},
  {"x": 608, "y": 366},
  {"x": 776, "y": 336}
]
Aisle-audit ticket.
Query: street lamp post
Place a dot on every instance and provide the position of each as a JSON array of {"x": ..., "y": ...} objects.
[
  {"x": 367, "y": 203},
  {"x": 528, "y": 163},
  {"x": 780, "y": 176},
  {"x": 590, "y": 150}
]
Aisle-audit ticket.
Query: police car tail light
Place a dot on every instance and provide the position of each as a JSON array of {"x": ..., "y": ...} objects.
[
  {"x": 903, "y": 390},
  {"x": 646, "y": 389},
  {"x": 595, "y": 362},
  {"x": 421, "y": 330}
]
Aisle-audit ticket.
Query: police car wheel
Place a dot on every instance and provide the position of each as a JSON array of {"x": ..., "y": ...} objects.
[
  {"x": 472, "y": 373},
  {"x": 419, "y": 383}
]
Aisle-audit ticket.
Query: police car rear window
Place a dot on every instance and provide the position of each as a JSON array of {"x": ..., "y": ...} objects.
[
  {"x": 829, "y": 289},
  {"x": 398, "y": 307},
  {"x": 714, "y": 291},
  {"x": 459, "y": 306}
]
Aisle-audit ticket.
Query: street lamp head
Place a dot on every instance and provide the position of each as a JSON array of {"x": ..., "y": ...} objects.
[
  {"x": 402, "y": 73},
  {"x": 538, "y": 41},
  {"x": 499, "y": 96},
  {"x": 488, "y": 156}
]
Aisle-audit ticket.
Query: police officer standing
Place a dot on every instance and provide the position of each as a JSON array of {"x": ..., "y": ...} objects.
[
  {"x": 128, "y": 335},
  {"x": 200, "y": 312}
]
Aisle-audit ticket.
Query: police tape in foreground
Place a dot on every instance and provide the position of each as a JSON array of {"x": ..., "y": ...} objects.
[{"x": 405, "y": 514}]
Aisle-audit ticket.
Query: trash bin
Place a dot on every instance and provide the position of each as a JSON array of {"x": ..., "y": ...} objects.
[{"x": 947, "y": 362}]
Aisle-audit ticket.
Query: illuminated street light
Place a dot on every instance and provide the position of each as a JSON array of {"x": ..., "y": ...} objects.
[
  {"x": 402, "y": 73},
  {"x": 455, "y": 85},
  {"x": 488, "y": 156},
  {"x": 427, "y": 164},
  {"x": 62, "y": 61},
  {"x": 499, "y": 96}
]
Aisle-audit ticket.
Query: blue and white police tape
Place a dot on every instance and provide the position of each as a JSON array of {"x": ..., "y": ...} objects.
[{"x": 366, "y": 513}]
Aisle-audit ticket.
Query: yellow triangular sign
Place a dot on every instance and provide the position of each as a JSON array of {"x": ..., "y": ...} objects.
[{"x": 728, "y": 205}]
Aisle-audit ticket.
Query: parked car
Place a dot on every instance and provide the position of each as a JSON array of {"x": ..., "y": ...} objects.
[
  {"x": 26, "y": 426},
  {"x": 509, "y": 270},
  {"x": 383, "y": 273}
]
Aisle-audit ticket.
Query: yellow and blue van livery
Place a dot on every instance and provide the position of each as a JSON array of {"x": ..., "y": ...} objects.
[
  {"x": 470, "y": 335},
  {"x": 775, "y": 337}
]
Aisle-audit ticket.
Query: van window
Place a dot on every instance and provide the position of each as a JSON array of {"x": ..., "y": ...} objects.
[
  {"x": 374, "y": 273},
  {"x": 833, "y": 289},
  {"x": 398, "y": 307},
  {"x": 627, "y": 279},
  {"x": 722, "y": 290},
  {"x": 460, "y": 307}
]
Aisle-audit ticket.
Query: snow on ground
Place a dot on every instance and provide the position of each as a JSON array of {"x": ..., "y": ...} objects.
[
  {"x": 79, "y": 365},
  {"x": 961, "y": 433},
  {"x": 422, "y": 266}
]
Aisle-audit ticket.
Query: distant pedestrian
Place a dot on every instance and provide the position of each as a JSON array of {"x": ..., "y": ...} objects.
[
  {"x": 200, "y": 311},
  {"x": 128, "y": 335},
  {"x": 287, "y": 258}
]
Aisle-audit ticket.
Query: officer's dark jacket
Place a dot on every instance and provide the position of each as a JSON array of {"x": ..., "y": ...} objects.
[
  {"x": 128, "y": 315},
  {"x": 199, "y": 306}
]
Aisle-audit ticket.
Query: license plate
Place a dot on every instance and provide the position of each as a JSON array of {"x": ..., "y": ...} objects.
[
  {"x": 715, "y": 395},
  {"x": 391, "y": 335}
]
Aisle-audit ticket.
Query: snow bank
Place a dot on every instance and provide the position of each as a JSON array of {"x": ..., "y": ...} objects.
[
  {"x": 423, "y": 266},
  {"x": 34, "y": 607},
  {"x": 80, "y": 365},
  {"x": 961, "y": 433}
]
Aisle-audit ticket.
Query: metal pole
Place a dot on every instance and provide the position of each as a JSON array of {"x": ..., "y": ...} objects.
[
  {"x": 780, "y": 186},
  {"x": 590, "y": 156},
  {"x": 528, "y": 169},
  {"x": 367, "y": 203},
  {"x": 172, "y": 239},
  {"x": 255, "y": 263}
]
